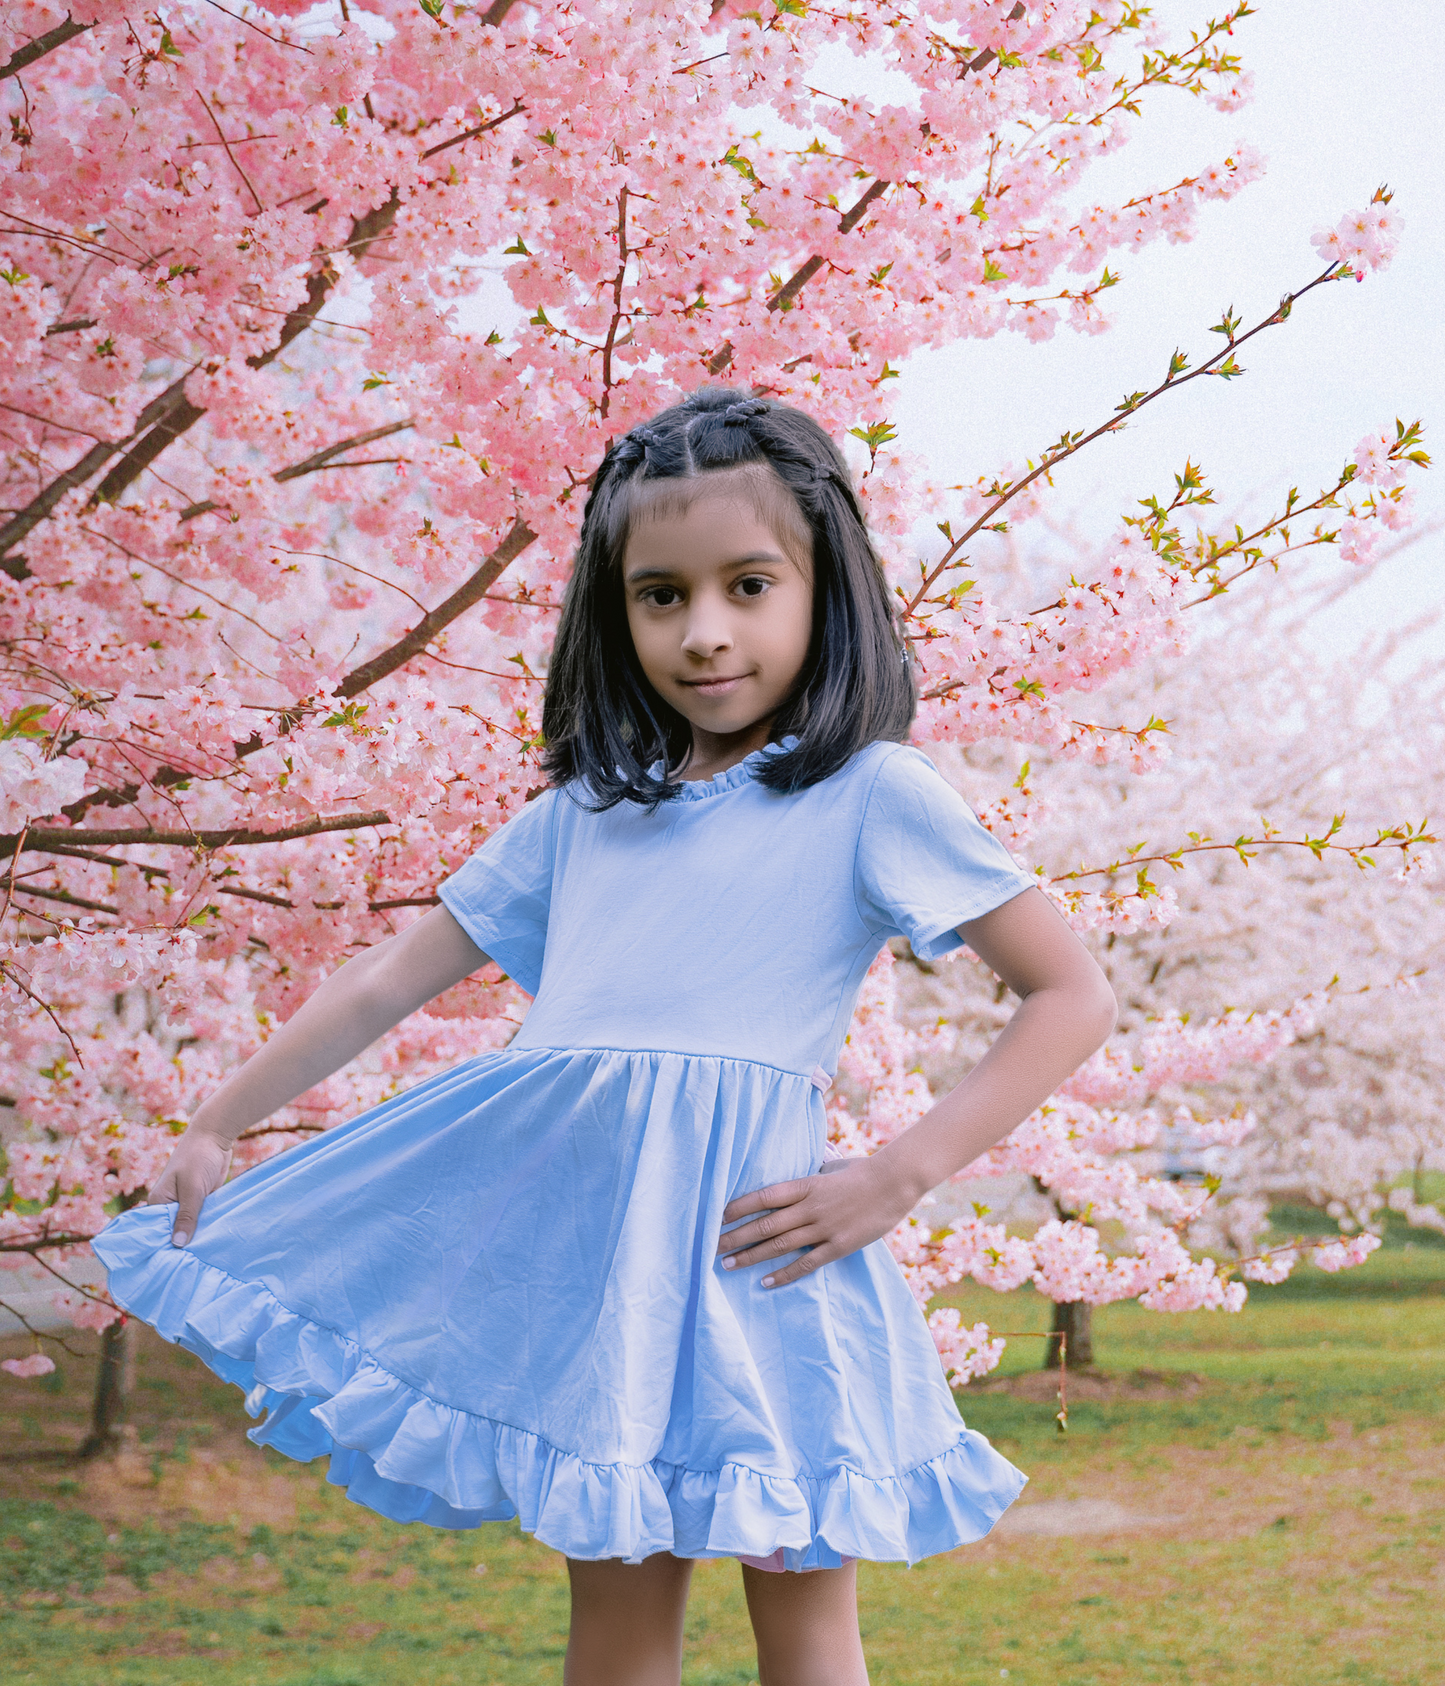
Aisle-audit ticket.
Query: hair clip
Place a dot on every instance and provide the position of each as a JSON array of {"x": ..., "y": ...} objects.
[
  {"x": 736, "y": 415},
  {"x": 632, "y": 447}
]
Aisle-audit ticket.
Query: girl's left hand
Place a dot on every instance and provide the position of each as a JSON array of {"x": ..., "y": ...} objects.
[{"x": 848, "y": 1204}]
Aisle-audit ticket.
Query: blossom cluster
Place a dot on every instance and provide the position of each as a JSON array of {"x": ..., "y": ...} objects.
[{"x": 316, "y": 323}]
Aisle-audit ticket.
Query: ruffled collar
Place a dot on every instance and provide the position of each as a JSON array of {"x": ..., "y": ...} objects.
[{"x": 698, "y": 790}]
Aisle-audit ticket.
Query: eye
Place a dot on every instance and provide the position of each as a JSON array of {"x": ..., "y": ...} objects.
[
  {"x": 753, "y": 585},
  {"x": 662, "y": 596}
]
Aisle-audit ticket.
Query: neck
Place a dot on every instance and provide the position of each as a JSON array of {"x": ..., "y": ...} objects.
[{"x": 715, "y": 752}]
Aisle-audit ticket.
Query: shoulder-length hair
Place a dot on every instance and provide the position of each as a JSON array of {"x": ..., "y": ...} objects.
[{"x": 604, "y": 724}]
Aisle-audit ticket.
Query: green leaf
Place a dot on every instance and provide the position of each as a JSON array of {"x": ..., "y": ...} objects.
[
  {"x": 25, "y": 722},
  {"x": 371, "y": 382},
  {"x": 348, "y": 715},
  {"x": 518, "y": 249},
  {"x": 992, "y": 272},
  {"x": 739, "y": 163},
  {"x": 875, "y": 436}
]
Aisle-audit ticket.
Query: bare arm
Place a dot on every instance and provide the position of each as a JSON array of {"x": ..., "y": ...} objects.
[
  {"x": 1066, "y": 1010},
  {"x": 355, "y": 1005}
]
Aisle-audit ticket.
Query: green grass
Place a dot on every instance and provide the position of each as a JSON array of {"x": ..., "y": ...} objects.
[
  {"x": 1365, "y": 1346},
  {"x": 1291, "y": 1486}
]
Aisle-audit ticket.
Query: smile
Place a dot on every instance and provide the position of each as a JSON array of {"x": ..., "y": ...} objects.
[{"x": 720, "y": 687}]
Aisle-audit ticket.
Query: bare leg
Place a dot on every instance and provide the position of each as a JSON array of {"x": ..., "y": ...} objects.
[
  {"x": 806, "y": 1626},
  {"x": 627, "y": 1622}
]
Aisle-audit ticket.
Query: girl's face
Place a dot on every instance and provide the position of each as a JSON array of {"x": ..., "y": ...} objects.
[{"x": 721, "y": 618}]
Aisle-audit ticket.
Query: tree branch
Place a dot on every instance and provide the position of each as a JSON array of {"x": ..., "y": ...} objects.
[
  {"x": 40, "y": 838},
  {"x": 77, "y": 474},
  {"x": 415, "y": 641},
  {"x": 783, "y": 298},
  {"x": 168, "y": 416},
  {"x": 471, "y": 134},
  {"x": 359, "y": 679},
  {"x": 1071, "y": 443},
  {"x": 23, "y": 57},
  {"x": 308, "y": 465},
  {"x": 786, "y": 294}
]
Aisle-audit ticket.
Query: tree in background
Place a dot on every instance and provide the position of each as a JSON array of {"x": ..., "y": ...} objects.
[
  {"x": 1309, "y": 1066},
  {"x": 317, "y": 324}
]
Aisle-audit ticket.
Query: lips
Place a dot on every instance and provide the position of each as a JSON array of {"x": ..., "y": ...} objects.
[{"x": 719, "y": 687}]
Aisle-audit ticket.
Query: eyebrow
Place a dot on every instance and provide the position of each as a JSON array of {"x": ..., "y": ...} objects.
[{"x": 638, "y": 574}]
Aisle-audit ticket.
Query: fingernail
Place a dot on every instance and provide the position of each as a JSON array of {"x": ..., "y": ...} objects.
[
  {"x": 767, "y": 1281},
  {"x": 729, "y": 1263},
  {"x": 179, "y": 1240}
]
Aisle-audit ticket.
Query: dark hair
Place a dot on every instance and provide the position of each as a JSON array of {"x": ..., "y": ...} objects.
[{"x": 602, "y": 720}]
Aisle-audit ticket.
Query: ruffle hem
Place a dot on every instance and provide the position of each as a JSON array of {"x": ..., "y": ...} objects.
[{"x": 409, "y": 1457}]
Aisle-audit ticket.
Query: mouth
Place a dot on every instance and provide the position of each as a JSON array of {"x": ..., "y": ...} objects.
[{"x": 722, "y": 686}]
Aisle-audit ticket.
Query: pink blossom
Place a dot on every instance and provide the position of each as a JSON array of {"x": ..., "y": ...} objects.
[
  {"x": 201, "y": 626},
  {"x": 37, "y": 1364},
  {"x": 1341, "y": 1255}
]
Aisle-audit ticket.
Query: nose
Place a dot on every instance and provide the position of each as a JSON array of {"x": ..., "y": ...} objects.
[{"x": 708, "y": 632}]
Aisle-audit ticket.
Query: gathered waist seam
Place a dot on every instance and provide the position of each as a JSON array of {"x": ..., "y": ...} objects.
[{"x": 675, "y": 1053}]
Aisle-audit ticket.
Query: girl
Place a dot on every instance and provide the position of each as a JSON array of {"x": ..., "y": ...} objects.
[{"x": 598, "y": 1280}]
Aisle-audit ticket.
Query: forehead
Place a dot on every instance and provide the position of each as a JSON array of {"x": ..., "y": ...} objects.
[{"x": 724, "y": 501}]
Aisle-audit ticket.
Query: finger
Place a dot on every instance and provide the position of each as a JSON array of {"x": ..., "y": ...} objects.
[
  {"x": 760, "y": 1199},
  {"x": 790, "y": 1241},
  {"x": 187, "y": 1216},
  {"x": 762, "y": 1229},
  {"x": 162, "y": 1192},
  {"x": 812, "y": 1260}
]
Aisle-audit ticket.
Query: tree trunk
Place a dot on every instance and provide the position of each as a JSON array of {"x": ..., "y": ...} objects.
[
  {"x": 1074, "y": 1320},
  {"x": 114, "y": 1380}
]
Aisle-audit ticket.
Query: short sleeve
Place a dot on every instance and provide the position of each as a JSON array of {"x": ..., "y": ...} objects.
[
  {"x": 925, "y": 863},
  {"x": 502, "y": 896}
]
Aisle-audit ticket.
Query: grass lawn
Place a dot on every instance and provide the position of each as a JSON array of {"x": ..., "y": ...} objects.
[{"x": 1258, "y": 1500}]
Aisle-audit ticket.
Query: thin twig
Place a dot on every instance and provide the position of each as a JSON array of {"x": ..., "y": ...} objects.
[
  {"x": 220, "y": 135},
  {"x": 1069, "y": 445},
  {"x": 39, "y": 1334},
  {"x": 295, "y": 46},
  {"x": 471, "y": 134}
]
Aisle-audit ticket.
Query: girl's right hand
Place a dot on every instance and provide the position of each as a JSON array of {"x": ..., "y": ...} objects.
[{"x": 197, "y": 1168}]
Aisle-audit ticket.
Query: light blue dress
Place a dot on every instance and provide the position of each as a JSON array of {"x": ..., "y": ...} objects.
[{"x": 498, "y": 1295}]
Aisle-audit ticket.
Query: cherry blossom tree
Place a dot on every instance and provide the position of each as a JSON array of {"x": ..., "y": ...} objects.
[
  {"x": 317, "y": 324},
  {"x": 1313, "y": 967}
]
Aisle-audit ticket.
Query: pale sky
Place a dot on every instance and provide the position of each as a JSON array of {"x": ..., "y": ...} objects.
[{"x": 1346, "y": 97}]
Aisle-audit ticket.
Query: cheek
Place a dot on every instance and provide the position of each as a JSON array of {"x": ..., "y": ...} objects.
[
  {"x": 794, "y": 630},
  {"x": 651, "y": 642}
]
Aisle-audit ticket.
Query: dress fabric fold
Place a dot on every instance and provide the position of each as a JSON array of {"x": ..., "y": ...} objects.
[{"x": 497, "y": 1294}]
